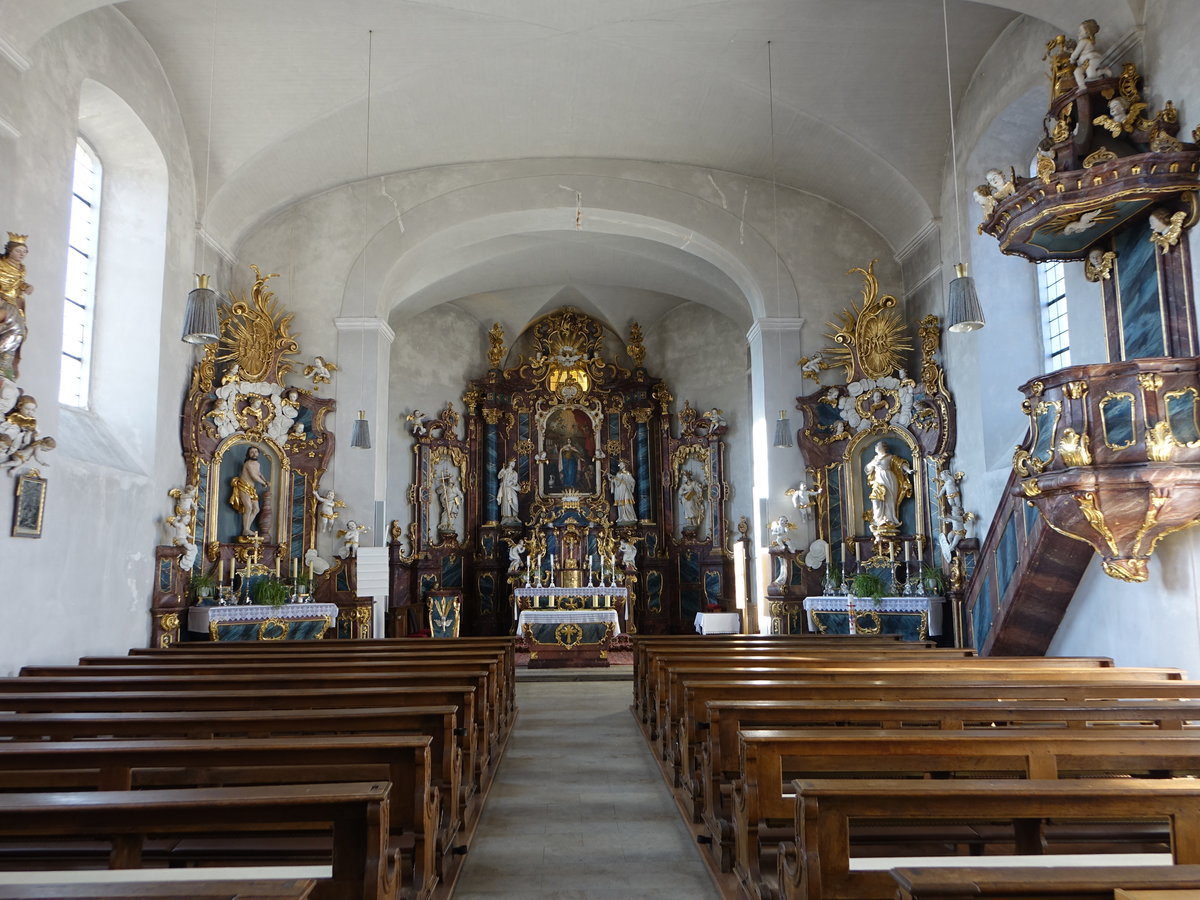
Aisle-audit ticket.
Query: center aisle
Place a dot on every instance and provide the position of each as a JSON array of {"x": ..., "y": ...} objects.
[{"x": 578, "y": 808}]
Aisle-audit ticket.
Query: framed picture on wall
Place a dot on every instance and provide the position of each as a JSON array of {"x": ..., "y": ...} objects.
[{"x": 29, "y": 505}]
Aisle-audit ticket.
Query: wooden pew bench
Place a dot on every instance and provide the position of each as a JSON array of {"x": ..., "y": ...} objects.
[
  {"x": 818, "y": 864},
  {"x": 224, "y": 889},
  {"x": 668, "y": 691},
  {"x": 500, "y": 679},
  {"x": 680, "y": 714},
  {"x": 764, "y": 807},
  {"x": 474, "y": 781},
  {"x": 1040, "y": 882},
  {"x": 504, "y": 646},
  {"x": 279, "y": 684},
  {"x": 439, "y": 722},
  {"x": 354, "y": 815},
  {"x": 405, "y": 760},
  {"x": 713, "y": 759}
]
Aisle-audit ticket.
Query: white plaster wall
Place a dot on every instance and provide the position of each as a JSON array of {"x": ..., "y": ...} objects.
[
  {"x": 84, "y": 587},
  {"x": 702, "y": 356}
]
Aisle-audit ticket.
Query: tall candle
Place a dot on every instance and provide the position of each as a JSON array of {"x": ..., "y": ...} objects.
[
  {"x": 276, "y": 566},
  {"x": 920, "y": 550},
  {"x": 221, "y": 571},
  {"x": 295, "y": 568},
  {"x": 310, "y": 575},
  {"x": 589, "y": 562}
]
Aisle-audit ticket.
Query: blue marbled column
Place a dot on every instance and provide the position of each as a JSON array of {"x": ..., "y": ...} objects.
[
  {"x": 643, "y": 470},
  {"x": 491, "y": 452}
]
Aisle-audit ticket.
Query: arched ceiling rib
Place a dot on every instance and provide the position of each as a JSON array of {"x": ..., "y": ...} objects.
[{"x": 859, "y": 88}]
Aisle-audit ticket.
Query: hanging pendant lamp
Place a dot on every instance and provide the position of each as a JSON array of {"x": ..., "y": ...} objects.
[
  {"x": 200, "y": 322},
  {"x": 360, "y": 432},
  {"x": 964, "y": 312}
]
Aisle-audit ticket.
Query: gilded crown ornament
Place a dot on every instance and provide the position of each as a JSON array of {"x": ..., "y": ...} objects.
[{"x": 14, "y": 238}]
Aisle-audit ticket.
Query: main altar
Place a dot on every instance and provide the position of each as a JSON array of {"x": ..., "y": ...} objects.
[{"x": 570, "y": 505}]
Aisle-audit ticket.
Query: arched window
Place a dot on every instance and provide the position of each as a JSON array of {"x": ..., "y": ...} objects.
[{"x": 79, "y": 301}]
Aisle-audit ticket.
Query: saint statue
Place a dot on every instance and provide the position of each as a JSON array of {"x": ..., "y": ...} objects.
[
  {"x": 244, "y": 496},
  {"x": 13, "y": 291},
  {"x": 887, "y": 478},
  {"x": 506, "y": 491},
  {"x": 450, "y": 498},
  {"x": 691, "y": 499},
  {"x": 568, "y": 465},
  {"x": 623, "y": 486}
]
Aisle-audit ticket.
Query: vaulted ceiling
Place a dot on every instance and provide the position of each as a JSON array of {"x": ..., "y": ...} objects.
[{"x": 859, "y": 88}]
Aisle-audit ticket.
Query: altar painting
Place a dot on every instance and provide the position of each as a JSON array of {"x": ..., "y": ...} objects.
[{"x": 567, "y": 454}]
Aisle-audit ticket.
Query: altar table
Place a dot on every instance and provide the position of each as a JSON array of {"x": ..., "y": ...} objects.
[
  {"x": 916, "y": 618},
  {"x": 719, "y": 623},
  {"x": 290, "y": 622},
  {"x": 561, "y": 637}
]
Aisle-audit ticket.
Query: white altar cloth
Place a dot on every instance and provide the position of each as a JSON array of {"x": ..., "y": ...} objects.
[
  {"x": 200, "y": 616},
  {"x": 931, "y": 606},
  {"x": 579, "y": 616},
  {"x": 719, "y": 623},
  {"x": 615, "y": 592}
]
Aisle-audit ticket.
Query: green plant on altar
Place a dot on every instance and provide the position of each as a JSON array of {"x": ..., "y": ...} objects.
[
  {"x": 270, "y": 592},
  {"x": 868, "y": 585},
  {"x": 933, "y": 580},
  {"x": 202, "y": 585}
]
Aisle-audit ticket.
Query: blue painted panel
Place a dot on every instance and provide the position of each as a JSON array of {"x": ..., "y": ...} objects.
[
  {"x": 164, "y": 574},
  {"x": 712, "y": 585},
  {"x": 1006, "y": 556},
  {"x": 1141, "y": 308},
  {"x": 1181, "y": 412},
  {"x": 654, "y": 586},
  {"x": 643, "y": 471},
  {"x": 691, "y": 601},
  {"x": 202, "y": 535},
  {"x": 452, "y": 571},
  {"x": 428, "y": 583},
  {"x": 299, "y": 499},
  {"x": 1031, "y": 514},
  {"x": 689, "y": 567},
  {"x": 487, "y": 594},
  {"x": 981, "y": 614},
  {"x": 490, "y": 466}
]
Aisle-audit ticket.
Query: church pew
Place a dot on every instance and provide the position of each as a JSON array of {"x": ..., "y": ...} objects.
[
  {"x": 713, "y": 760},
  {"x": 504, "y": 647},
  {"x": 646, "y": 649},
  {"x": 485, "y": 721},
  {"x": 656, "y": 663},
  {"x": 415, "y": 804},
  {"x": 662, "y": 682},
  {"x": 1041, "y": 882},
  {"x": 763, "y": 803},
  {"x": 355, "y": 814},
  {"x": 439, "y": 722},
  {"x": 224, "y": 889},
  {"x": 673, "y": 724},
  {"x": 817, "y": 865},
  {"x": 123, "y": 703},
  {"x": 288, "y": 668}
]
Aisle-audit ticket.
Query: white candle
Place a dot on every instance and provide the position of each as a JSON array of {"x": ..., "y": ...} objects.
[
  {"x": 220, "y": 571},
  {"x": 589, "y": 562},
  {"x": 920, "y": 550},
  {"x": 906, "y": 550}
]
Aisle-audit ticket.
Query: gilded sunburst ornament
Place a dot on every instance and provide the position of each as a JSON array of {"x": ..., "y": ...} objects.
[
  {"x": 872, "y": 337},
  {"x": 255, "y": 334}
]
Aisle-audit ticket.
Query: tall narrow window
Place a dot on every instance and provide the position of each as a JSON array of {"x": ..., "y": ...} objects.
[
  {"x": 79, "y": 302},
  {"x": 1052, "y": 288}
]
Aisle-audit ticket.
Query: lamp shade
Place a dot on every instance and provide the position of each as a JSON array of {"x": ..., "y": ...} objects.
[
  {"x": 783, "y": 430},
  {"x": 360, "y": 433},
  {"x": 966, "y": 312},
  {"x": 201, "y": 324}
]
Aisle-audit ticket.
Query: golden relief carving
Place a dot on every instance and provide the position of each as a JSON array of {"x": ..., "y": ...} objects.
[
  {"x": 1102, "y": 155},
  {"x": 496, "y": 350},
  {"x": 1031, "y": 487},
  {"x": 1150, "y": 381},
  {"x": 1090, "y": 508},
  {"x": 1073, "y": 448},
  {"x": 492, "y": 416},
  {"x": 662, "y": 396},
  {"x": 569, "y": 358},
  {"x": 1160, "y": 442},
  {"x": 256, "y": 335},
  {"x": 930, "y": 332},
  {"x": 871, "y": 336},
  {"x": 1076, "y": 390},
  {"x": 635, "y": 348},
  {"x": 1098, "y": 266},
  {"x": 471, "y": 400}
]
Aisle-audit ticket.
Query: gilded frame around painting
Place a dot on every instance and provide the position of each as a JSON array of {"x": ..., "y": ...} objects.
[{"x": 29, "y": 506}]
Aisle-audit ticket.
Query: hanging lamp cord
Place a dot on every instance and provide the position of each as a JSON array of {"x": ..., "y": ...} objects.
[{"x": 953, "y": 143}]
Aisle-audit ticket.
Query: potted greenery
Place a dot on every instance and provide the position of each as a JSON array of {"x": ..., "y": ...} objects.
[
  {"x": 868, "y": 585},
  {"x": 202, "y": 586},
  {"x": 933, "y": 580},
  {"x": 270, "y": 592}
]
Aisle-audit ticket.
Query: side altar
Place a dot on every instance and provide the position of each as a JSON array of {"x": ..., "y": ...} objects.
[
  {"x": 569, "y": 486},
  {"x": 243, "y": 531}
]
